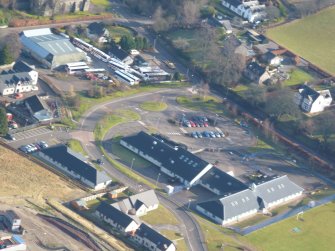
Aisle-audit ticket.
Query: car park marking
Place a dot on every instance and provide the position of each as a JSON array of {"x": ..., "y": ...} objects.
[
  {"x": 30, "y": 134},
  {"x": 229, "y": 139},
  {"x": 141, "y": 123},
  {"x": 183, "y": 130},
  {"x": 218, "y": 129},
  {"x": 174, "y": 133}
]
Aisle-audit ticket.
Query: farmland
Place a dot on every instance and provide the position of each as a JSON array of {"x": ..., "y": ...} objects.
[
  {"x": 314, "y": 232},
  {"x": 311, "y": 38}
]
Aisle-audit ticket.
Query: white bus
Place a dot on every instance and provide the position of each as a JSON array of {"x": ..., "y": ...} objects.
[
  {"x": 77, "y": 67},
  {"x": 82, "y": 44},
  {"x": 95, "y": 70},
  {"x": 120, "y": 75},
  {"x": 117, "y": 65},
  {"x": 100, "y": 55}
]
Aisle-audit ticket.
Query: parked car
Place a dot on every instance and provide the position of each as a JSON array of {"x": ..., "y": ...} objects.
[
  {"x": 199, "y": 134},
  {"x": 23, "y": 149},
  {"x": 192, "y": 123},
  {"x": 43, "y": 144},
  {"x": 217, "y": 134},
  {"x": 194, "y": 135},
  {"x": 212, "y": 135},
  {"x": 206, "y": 134},
  {"x": 99, "y": 162}
]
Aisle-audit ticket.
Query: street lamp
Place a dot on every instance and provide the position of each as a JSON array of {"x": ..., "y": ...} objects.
[
  {"x": 132, "y": 163},
  {"x": 159, "y": 174},
  {"x": 189, "y": 203}
]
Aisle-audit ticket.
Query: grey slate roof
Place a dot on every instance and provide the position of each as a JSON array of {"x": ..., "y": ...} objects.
[
  {"x": 76, "y": 163},
  {"x": 36, "y": 104},
  {"x": 114, "y": 214},
  {"x": 276, "y": 189},
  {"x": 97, "y": 28},
  {"x": 309, "y": 93},
  {"x": 177, "y": 160},
  {"x": 117, "y": 52},
  {"x": 22, "y": 66},
  {"x": 222, "y": 182},
  {"x": 255, "y": 68},
  {"x": 14, "y": 78},
  {"x": 232, "y": 205},
  {"x": 235, "y": 3},
  {"x": 147, "y": 198},
  {"x": 147, "y": 232}
]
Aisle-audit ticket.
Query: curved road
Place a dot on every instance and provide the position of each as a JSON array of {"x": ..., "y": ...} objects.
[{"x": 190, "y": 228}]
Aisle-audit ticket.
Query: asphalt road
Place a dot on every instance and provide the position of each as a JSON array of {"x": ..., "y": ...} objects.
[{"x": 190, "y": 228}]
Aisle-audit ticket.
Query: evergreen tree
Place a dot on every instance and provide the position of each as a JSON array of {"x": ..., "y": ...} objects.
[
  {"x": 5, "y": 56},
  {"x": 127, "y": 43},
  {"x": 3, "y": 122}
]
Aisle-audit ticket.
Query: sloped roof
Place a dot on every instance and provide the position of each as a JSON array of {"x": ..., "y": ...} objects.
[
  {"x": 13, "y": 78},
  {"x": 276, "y": 188},
  {"x": 75, "y": 162},
  {"x": 222, "y": 182},
  {"x": 97, "y": 28},
  {"x": 232, "y": 205},
  {"x": 147, "y": 232},
  {"x": 309, "y": 93},
  {"x": 114, "y": 214},
  {"x": 117, "y": 52},
  {"x": 36, "y": 104},
  {"x": 21, "y": 66},
  {"x": 255, "y": 68},
  {"x": 177, "y": 160}
]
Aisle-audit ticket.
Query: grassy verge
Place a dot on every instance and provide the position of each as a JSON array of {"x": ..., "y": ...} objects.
[
  {"x": 86, "y": 102},
  {"x": 116, "y": 32},
  {"x": 260, "y": 146},
  {"x": 107, "y": 123},
  {"x": 199, "y": 103},
  {"x": 76, "y": 146},
  {"x": 127, "y": 156},
  {"x": 102, "y": 3},
  {"x": 160, "y": 216},
  {"x": 154, "y": 106},
  {"x": 176, "y": 237}
]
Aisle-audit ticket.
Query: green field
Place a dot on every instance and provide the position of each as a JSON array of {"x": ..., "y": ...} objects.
[
  {"x": 76, "y": 146},
  {"x": 116, "y": 32},
  {"x": 312, "y": 38},
  {"x": 297, "y": 77},
  {"x": 316, "y": 232}
]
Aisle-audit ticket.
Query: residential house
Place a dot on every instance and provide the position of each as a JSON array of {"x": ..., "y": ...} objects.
[
  {"x": 98, "y": 31},
  {"x": 117, "y": 219},
  {"x": 251, "y": 10},
  {"x": 257, "y": 73},
  {"x": 276, "y": 191},
  {"x": 138, "y": 204},
  {"x": 76, "y": 166},
  {"x": 230, "y": 208},
  {"x": 38, "y": 108},
  {"x": 173, "y": 161},
  {"x": 117, "y": 52},
  {"x": 272, "y": 59},
  {"x": 15, "y": 83},
  {"x": 22, "y": 66},
  {"x": 152, "y": 240},
  {"x": 221, "y": 183},
  {"x": 312, "y": 101}
]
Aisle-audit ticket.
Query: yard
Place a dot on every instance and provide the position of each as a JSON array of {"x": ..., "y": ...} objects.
[
  {"x": 76, "y": 146},
  {"x": 311, "y": 37},
  {"x": 160, "y": 216},
  {"x": 297, "y": 77},
  {"x": 199, "y": 103},
  {"x": 314, "y": 232},
  {"x": 116, "y": 32}
]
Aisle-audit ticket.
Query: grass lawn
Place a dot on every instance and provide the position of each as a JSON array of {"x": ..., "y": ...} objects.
[
  {"x": 311, "y": 37},
  {"x": 116, "y": 32},
  {"x": 160, "y": 216},
  {"x": 317, "y": 232},
  {"x": 103, "y": 3},
  {"x": 127, "y": 156},
  {"x": 76, "y": 146},
  {"x": 297, "y": 77},
  {"x": 260, "y": 146},
  {"x": 199, "y": 103},
  {"x": 172, "y": 235},
  {"x": 153, "y": 106},
  {"x": 86, "y": 102}
]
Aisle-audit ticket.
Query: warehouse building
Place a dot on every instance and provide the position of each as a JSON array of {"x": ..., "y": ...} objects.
[{"x": 50, "y": 49}]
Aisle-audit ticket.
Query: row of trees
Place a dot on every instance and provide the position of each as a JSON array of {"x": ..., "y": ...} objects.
[
  {"x": 128, "y": 43},
  {"x": 309, "y": 7},
  {"x": 11, "y": 50}
]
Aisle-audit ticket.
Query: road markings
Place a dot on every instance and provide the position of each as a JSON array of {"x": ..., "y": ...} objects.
[
  {"x": 174, "y": 133},
  {"x": 183, "y": 130},
  {"x": 141, "y": 122}
]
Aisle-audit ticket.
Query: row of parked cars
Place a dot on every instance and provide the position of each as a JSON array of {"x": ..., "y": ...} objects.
[
  {"x": 195, "y": 121},
  {"x": 207, "y": 134},
  {"x": 33, "y": 147}
]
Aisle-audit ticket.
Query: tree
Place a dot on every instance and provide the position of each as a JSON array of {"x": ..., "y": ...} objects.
[
  {"x": 14, "y": 46},
  {"x": 325, "y": 127},
  {"x": 138, "y": 43},
  {"x": 177, "y": 76},
  {"x": 127, "y": 43},
  {"x": 160, "y": 22},
  {"x": 3, "y": 122},
  {"x": 208, "y": 11},
  {"x": 281, "y": 103},
  {"x": 272, "y": 12},
  {"x": 256, "y": 95},
  {"x": 191, "y": 12},
  {"x": 5, "y": 56}
]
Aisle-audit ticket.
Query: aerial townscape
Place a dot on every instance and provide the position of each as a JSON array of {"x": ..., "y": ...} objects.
[{"x": 190, "y": 125}]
